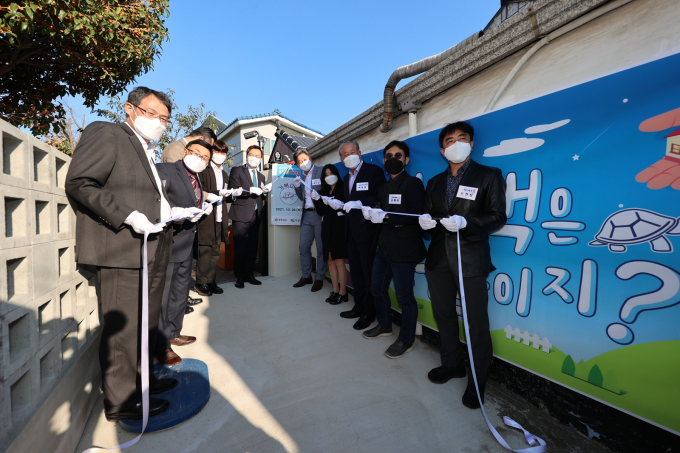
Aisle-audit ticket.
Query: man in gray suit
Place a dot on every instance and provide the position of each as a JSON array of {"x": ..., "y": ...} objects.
[
  {"x": 174, "y": 151},
  {"x": 310, "y": 223},
  {"x": 119, "y": 196}
]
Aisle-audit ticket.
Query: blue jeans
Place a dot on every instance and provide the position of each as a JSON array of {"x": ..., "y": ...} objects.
[{"x": 385, "y": 270}]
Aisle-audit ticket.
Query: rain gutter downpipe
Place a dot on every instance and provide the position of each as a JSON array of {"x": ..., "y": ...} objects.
[{"x": 411, "y": 70}]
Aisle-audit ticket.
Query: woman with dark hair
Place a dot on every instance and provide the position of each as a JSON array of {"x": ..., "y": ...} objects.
[{"x": 333, "y": 234}]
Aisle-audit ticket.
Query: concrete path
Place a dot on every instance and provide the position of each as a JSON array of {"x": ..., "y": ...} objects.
[{"x": 288, "y": 374}]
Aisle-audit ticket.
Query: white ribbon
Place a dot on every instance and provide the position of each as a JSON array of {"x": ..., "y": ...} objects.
[{"x": 531, "y": 439}]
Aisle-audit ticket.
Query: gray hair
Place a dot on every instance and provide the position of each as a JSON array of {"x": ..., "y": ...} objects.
[{"x": 356, "y": 145}]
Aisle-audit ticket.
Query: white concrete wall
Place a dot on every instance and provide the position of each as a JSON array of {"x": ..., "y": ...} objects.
[
  {"x": 633, "y": 34},
  {"x": 48, "y": 309}
]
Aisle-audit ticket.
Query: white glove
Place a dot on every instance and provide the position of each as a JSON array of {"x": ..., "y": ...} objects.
[
  {"x": 335, "y": 204},
  {"x": 200, "y": 213},
  {"x": 377, "y": 215},
  {"x": 325, "y": 199},
  {"x": 426, "y": 222},
  {"x": 454, "y": 223},
  {"x": 366, "y": 211},
  {"x": 315, "y": 195},
  {"x": 140, "y": 223},
  {"x": 181, "y": 213},
  {"x": 352, "y": 204},
  {"x": 296, "y": 182},
  {"x": 226, "y": 192},
  {"x": 255, "y": 191},
  {"x": 267, "y": 188},
  {"x": 212, "y": 197},
  {"x": 207, "y": 208},
  {"x": 237, "y": 192}
]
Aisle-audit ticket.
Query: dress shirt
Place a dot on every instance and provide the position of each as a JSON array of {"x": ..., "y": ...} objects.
[
  {"x": 309, "y": 203},
  {"x": 151, "y": 156},
  {"x": 353, "y": 175},
  {"x": 219, "y": 183},
  {"x": 452, "y": 182}
]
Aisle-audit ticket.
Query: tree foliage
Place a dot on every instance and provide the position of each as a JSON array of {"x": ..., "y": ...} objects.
[
  {"x": 53, "y": 48},
  {"x": 67, "y": 135}
]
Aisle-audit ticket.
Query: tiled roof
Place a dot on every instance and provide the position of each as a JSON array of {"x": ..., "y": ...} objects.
[
  {"x": 295, "y": 141},
  {"x": 265, "y": 115}
]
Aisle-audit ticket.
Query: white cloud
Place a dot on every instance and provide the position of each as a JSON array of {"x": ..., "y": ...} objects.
[
  {"x": 545, "y": 127},
  {"x": 513, "y": 146}
]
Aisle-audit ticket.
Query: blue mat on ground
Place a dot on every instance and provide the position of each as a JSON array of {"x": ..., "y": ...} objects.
[{"x": 186, "y": 400}]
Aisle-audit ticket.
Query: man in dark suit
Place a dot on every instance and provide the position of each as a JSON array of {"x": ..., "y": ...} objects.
[
  {"x": 180, "y": 180},
  {"x": 399, "y": 248},
  {"x": 469, "y": 198},
  {"x": 246, "y": 214},
  {"x": 362, "y": 185},
  {"x": 310, "y": 223},
  {"x": 114, "y": 181}
]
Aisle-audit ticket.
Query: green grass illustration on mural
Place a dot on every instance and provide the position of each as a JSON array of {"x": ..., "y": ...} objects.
[{"x": 593, "y": 375}]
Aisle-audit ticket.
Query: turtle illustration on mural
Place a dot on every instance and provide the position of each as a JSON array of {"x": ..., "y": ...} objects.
[{"x": 636, "y": 226}]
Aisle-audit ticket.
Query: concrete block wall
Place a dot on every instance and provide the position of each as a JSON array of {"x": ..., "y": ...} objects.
[{"x": 48, "y": 308}]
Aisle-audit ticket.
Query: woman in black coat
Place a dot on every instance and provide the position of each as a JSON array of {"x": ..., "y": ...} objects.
[{"x": 333, "y": 234}]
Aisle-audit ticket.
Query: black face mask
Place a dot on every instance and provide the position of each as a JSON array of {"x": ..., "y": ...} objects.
[{"x": 394, "y": 166}]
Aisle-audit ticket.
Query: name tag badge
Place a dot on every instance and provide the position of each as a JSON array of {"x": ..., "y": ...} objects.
[
  {"x": 316, "y": 182},
  {"x": 362, "y": 186},
  {"x": 395, "y": 199},
  {"x": 468, "y": 193},
  {"x": 341, "y": 213}
]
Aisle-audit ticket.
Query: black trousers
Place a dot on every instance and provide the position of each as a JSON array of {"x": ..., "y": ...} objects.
[
  {"x": 208, "y": 256},
  {"x": 120, "y": 346},
  {"x": 361, "y": 269},
  {"x": 178, "y": 283},
  {"x": 246, "y": 237},
  {"x": 443, "y": 286}
]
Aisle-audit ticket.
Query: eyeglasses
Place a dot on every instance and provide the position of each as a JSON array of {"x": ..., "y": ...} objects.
[
  {"x": 198, "y": 154},
  {"x": 395, "y": 155},
  {"x": 152, "y": 114}
]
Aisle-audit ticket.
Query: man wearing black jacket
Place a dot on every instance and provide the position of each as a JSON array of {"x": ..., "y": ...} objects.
[
  {"x": 400, "y": 248},
  {"x": 469, "y": 198}
]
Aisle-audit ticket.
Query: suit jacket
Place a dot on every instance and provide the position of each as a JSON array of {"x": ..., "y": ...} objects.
[
  {"x": 243, "y": 207},
  {"x": 484, "y": 215},
  {"x": 177, "y": 183},
  {"x": 361, "y": 229},
  {"x": 403, "y": 236},
  {"x": 300, "y": 191},
  {"x": 206, "y": 234},
  {"x": 110, "y": 177},
  {"x": 173, "y": 152}
]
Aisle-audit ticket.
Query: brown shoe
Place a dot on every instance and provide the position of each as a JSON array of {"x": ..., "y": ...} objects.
[
  {"x": 303, "y": 281},
  {"x": 182, "y": 340},
  {"x": 318, "y": 284},
  {"x": 169, "y": 358}
]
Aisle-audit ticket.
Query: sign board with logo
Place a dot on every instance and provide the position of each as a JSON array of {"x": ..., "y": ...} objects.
[{"x": 286, "y": 206}]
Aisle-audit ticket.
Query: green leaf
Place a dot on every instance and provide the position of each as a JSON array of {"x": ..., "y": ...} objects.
[
  {"x": 24, "y": 26},
  {"x": 29, "y": 12},
  {"x": 62, "y": 13},
  {"x": 13, "y": 7}
]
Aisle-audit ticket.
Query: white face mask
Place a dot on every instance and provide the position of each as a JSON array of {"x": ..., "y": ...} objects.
[
  {"x": 194, "y": 163},
  {"x": 253, "y": 161},
  {"x": 219, "y": 158},
  {"x": 330, "y": 180},
  {"x": 149, "y": 128},
  {"x": 306, "y": 165},
  {"x": 352, "y": 161},
  {"x": 458, "y": 152}
]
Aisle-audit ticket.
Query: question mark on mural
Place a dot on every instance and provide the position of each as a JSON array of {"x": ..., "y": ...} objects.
[{"x": 665, "y": 296}]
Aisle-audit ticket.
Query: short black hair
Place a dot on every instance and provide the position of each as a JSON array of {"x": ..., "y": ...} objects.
[
  {"x": 205, "y": 132},
  {"x": 136, "y": 96},
  {"x": 202, "y": 143},
  {"x": 220, "y": 146},
  {"x": 257, "y": 148},
  {"x": 458, "y": 125},
  {"x": 325, "y": 187},
  {"x": 300, "y": 152},
  {"x": 401, "y": 145}
]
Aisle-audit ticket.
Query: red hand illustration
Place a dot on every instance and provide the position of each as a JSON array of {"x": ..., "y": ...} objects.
[{"x": 663, "y": 173}]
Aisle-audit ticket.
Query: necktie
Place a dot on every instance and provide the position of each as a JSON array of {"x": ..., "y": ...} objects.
[
  {"x": 255, "y": 184},
  {"x": 197, "y": 190}
]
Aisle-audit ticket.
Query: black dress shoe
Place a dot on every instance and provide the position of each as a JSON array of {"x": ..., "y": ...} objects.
[
  {"x": 377, "y": 332},
  {"x": 363, "y": 322},
  {"x": 443, "y": 374},
  {"x": 188, "y": 310},
  {"x": 156, "y": 406},
  {"x": 203, "y": 290},
  {"x": 339, "y": 298},
  {"x": 252, "y": 280},
  {"x": 193, "y": 301},
  {"x": 470, "y": 396},
  {"x": 303, "y": 281},
  {"x": 239, "y": 283},
  {"x": 330, "y": 298},
  {"x": 163, "y": 385},
  {"x": 353, "y": 313},
  {"x": 398, "y": 349},
  {"x": 215, "y": 289}
]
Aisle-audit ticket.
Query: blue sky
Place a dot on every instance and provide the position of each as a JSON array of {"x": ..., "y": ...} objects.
[{"x": 320, "y": 63}]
